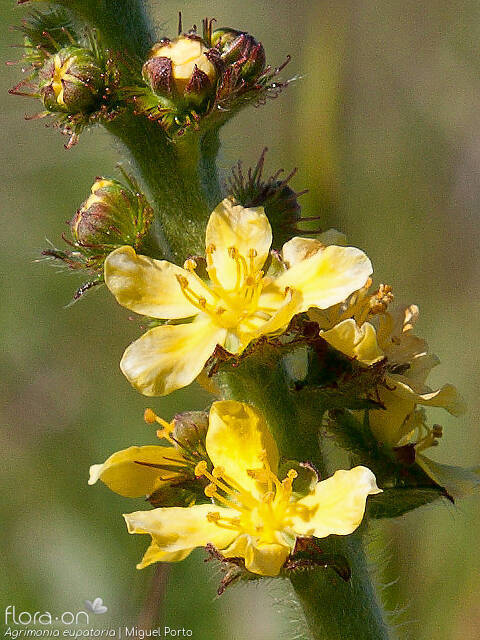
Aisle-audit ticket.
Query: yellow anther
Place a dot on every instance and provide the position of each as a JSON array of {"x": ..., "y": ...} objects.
[
  {"x": 190, "y": 264},
  {"x": 182, "y": 281},
  {"x": 249, "y": 281},
  {"x": 292, "y": 474},
  {"x": 252, "y": 253},
  {"x": 218, "y": 472},
  {"x": 233, "y": 252},
  {"x": 202, "y": 302},
  {"x": 213, "y": 516},
  {"x": 220, "y": 310},
  {"x": 210, "y": 490},
  {"x": 210, "y": 249},
  {"x": 268, "y": 497},
  {"x": 150, "y": 416},
  {"x": 200, "y": 468}
]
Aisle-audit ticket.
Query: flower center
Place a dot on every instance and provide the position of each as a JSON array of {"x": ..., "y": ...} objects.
[
  {"x": 262, "y": 516},
  {"x": 60, "y": 74},
  {"x": 229, "y": 307}
]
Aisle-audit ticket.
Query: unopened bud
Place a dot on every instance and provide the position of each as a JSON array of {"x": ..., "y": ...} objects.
[
  {"x": 180, "y": 68},
  {"x": 238, "y": 47},
  {"x": 112, "y": 216},
  {"x": 70, "y": 81},
  {"x": 190, "y": 428}
]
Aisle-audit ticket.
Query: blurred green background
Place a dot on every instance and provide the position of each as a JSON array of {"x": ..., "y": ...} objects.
[{"x": 384, "y": 126}]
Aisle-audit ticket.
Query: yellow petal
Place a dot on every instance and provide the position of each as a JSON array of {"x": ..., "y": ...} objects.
[
  {"x": 458, "y": 482},
  {"x": 298, "y": 249},
  {"x": 354, "y": 341},
  {"x": 391, "y": 424},
  {"x": 122, "y": 473},
  {"x": 238, "y": 439},
  {"x": 446, "y": 397},
  {"x": 171, "y": 356},
  {"x": 155, "y": 554},
  {"x": 175, "y": 529},
  {"x": 328, "y": 276},
  {"x": 265, "y": 559},
  {"x": 337, "y": 504},
  {"x": 147, "y": 286},
  {"x": 232, "y": 225}
]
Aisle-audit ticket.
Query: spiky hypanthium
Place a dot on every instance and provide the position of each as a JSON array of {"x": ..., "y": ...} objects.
[
  {"x": 73, "y": 75},
  {"x": 113, "y": 215},
  {"x": 198, "y": 81}
]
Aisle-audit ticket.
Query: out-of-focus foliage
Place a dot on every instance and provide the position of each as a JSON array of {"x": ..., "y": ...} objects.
[{"x": 384, "y": 128}]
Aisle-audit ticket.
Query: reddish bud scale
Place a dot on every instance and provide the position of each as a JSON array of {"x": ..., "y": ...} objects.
[{"x": 112, "y": 216}]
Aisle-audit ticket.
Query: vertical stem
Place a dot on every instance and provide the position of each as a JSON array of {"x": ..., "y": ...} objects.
[
  {"x": 338, "y": 610},
  {"x": 124, "y": 24}
]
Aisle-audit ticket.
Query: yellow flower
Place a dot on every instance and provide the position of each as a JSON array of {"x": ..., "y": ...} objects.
[
  {"x": 409, "y": 364},
  {"x": 253, "y": 515},
  {"x": 238, "y": 304}
]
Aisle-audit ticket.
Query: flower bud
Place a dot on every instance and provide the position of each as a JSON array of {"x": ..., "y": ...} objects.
[
  {"x": 180, "y": 68},
  {"x": 112, "y": 216},
  {"x": 190, "y": 428},
  {"x": 70, "y": 81},
  {"x": 238, "y": 47}
]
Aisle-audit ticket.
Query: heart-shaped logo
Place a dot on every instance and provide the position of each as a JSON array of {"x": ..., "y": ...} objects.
[{"x": 96, "y": 605}]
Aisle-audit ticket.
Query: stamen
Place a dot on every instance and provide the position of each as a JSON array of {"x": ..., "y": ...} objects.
[
  {"x": 200, "y": 468},
  {"x": 287, "y": 483},
  {"x": 190, "y": 264},
  {"x": 212, "y": 492},
  {"x": 196, "y": 300},
  {"x": 225, "y": 523},
  {"x": 151, "y": 417}
]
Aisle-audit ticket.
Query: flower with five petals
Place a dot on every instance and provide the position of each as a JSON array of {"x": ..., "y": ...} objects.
[
  {"x": 236, "y": 305},
  {"x": 253, "y": 514}
]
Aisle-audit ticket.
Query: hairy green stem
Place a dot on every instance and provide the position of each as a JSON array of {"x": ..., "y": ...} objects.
[{"x": 182, "y": 181}]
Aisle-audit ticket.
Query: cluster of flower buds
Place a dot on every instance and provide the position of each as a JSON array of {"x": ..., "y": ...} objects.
[
  {"x": 74, "y": 77},
  {"x": 193, "y": 76},
  {"x": 113, "y": 215}
]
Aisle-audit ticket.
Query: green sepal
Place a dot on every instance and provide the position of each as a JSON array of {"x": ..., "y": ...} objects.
[
  {"x": 397, "y": 501},
  {"x": 180, "y": 494}
]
